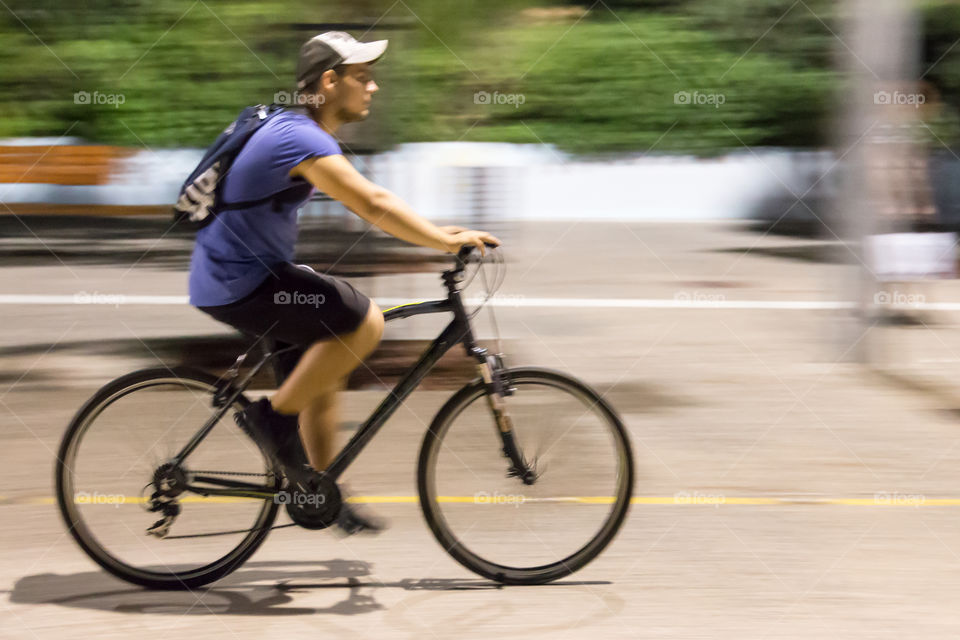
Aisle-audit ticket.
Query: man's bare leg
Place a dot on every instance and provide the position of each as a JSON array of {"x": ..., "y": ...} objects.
[
  {"x": 318, "y": 428},
  {"x": 310, "y": 393},
  {"x": 326, "y": 363}
]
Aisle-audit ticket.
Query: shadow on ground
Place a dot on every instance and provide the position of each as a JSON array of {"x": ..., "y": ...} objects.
[{"x": 258, "y": 589}]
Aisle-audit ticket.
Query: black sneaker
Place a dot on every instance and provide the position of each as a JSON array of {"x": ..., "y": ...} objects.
[
  {"x": 279, "y": 435},
  {"x": 352, "y": 520}
]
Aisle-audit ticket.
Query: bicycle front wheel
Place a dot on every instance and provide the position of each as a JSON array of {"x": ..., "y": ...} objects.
[
  {"x": 108, "y": 466},
  {"x": 515, "y": 533}
]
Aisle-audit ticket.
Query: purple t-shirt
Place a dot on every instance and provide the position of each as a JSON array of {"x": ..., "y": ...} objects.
[{"x": 237, "y": 251}]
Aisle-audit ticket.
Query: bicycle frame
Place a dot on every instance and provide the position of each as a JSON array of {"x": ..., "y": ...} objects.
[{"x": 459, "y": 331}]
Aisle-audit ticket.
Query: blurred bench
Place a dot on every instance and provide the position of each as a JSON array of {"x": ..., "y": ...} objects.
[
  {"x": 59, "y": 164},
  {"x": 68, "y": 165}
]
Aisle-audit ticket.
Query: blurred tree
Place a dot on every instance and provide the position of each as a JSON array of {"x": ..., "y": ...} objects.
[
  {"x": 173, "y": 73},
  {"x": 591, "y": 77},
  {"x": 803, "y": 34},
  {"x": 602, "y": 82},
  {"x": 940, "y": 66}
]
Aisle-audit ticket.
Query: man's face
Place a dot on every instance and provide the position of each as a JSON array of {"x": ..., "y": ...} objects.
[{"x": 352, "y": 92}]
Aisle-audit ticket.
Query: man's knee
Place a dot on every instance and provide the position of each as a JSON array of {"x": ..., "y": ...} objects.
[{"x": 368, "y": 333}]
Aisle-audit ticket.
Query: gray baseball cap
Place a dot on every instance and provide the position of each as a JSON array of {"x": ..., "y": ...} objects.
[{"x": 333, "y": 48}]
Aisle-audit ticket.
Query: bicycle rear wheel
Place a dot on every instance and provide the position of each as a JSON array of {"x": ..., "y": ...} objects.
[
  {"x": 106, "y": 471},
  {"x": 496, "y": 525}
]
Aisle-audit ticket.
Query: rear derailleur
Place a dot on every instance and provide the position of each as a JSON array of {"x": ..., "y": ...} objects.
[{"x": 169, "y": 482}]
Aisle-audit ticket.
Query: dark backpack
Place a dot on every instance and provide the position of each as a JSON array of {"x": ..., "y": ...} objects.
[{"x": 200, "y": 198}]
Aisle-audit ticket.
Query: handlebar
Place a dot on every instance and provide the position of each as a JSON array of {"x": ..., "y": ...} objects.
[
  {"x": 455, "y": 280},
  {"x": 464, "y": 253},
  {"x": 467, "y": 248}
]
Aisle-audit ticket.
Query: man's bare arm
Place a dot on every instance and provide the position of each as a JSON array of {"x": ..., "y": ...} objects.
[{"x": 335, "y": 176}]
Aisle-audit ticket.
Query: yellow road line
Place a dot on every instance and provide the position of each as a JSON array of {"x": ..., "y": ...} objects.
[{"x": 498, "y": 499}]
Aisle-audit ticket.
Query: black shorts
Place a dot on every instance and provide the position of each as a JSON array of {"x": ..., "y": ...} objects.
[{"x": 296, "y": 306}]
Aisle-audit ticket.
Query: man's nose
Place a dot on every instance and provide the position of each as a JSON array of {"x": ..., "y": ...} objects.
[{"x": 372, "y": 87}]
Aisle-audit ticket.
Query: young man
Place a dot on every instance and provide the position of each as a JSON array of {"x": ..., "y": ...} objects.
[{"x": 241, "y": 271}]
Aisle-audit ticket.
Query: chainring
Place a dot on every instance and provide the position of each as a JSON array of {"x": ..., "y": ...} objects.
[{"x": 313, "y": 507}]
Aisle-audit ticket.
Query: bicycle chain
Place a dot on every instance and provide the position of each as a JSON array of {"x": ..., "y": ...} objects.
[
  {"x": 224, "y": 533},
  {"x": 230, "y": 473}
]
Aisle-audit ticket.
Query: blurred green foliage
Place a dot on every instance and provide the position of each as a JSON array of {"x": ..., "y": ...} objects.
[
  {"x": 611, "y": 84},
  {"x": 588, "y": 77},
  {"x": 183, "y": 67},
  {"x": 941, "y": 55}
]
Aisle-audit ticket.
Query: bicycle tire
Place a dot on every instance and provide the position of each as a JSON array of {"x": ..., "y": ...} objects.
[
  {"x": 87, "y": 541},
  {"x": 432, "y": 444}
]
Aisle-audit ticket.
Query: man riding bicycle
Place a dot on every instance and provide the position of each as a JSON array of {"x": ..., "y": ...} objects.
[{"x": 241, "y": 271}]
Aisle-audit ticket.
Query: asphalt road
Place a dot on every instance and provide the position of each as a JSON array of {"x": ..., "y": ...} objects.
[{"x": 782, "y": 492}]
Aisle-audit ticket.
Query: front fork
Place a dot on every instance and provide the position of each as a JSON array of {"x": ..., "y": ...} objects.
[{"x": 497, "y": 385}]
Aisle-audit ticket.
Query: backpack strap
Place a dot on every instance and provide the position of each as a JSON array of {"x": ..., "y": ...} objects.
[
  {"x": 198, "y": 202},
  {"x": 291, "y": 193}
]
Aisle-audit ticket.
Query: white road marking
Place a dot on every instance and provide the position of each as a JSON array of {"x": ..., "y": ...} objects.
[{"x": 117, "y": 299}]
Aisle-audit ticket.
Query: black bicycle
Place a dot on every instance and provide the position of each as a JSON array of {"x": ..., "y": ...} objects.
[{"x": 524, "y": 475}]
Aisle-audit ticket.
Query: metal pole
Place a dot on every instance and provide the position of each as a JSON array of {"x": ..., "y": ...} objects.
[{"x": 878, "y": 48}]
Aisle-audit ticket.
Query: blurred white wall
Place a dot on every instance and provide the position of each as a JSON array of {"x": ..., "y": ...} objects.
[{"x": 449, "y": 180}]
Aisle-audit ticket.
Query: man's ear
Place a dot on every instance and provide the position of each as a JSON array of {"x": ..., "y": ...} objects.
[{"x": 329, "y": 79}]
